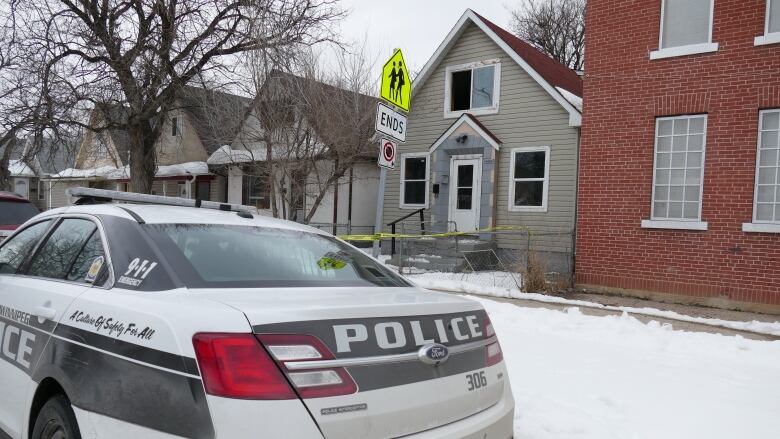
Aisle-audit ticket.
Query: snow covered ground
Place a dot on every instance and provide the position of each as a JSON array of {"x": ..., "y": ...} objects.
[{"x": 583, "y": 377}]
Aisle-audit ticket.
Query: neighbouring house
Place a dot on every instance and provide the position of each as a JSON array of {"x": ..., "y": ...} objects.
[
  {"x": 199, "y": 122},
  {"x": 317, "y": 132},
  {"x": 30, "y": 166},
  {"x": 492, "y": 141},
  {"x": 679, "y": 193}
]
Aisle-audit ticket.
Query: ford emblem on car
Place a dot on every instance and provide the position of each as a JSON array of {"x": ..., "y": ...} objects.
[{"x": 433, "y": 354}]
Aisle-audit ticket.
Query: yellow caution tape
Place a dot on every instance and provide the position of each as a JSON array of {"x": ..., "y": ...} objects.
[{"x": 385, "y": 236}]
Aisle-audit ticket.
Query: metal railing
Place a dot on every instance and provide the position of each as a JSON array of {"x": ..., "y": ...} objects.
[{"x": 393, "y": 224}]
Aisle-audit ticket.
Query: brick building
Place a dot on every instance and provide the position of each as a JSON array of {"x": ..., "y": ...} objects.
[{"x": 679, "y": 192}]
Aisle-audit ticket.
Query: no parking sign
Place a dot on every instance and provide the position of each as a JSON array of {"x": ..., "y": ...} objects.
[{"x": 387, "y": 150}]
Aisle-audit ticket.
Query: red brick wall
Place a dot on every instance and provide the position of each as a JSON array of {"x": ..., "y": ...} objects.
[{"x": 624, "y": 93}]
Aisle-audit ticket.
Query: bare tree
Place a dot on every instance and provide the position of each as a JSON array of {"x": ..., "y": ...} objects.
[
  {"x": 139, "y": 53},
  {"x": 555, "y": 27}
]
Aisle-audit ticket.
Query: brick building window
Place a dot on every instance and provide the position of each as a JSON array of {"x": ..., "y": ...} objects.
[
  {"x": 771, "y": 24},
  {"x": 767, "y": 196},
  {"x": 529, "y": 174},
  {"x": 686, "y": 28},
  {"x": 414, "y": 181},
  {"x": 679, "y": 168}
]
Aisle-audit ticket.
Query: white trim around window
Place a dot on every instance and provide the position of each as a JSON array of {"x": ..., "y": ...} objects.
[
  {"x": 678, "y": 173},
  {"x": 768, "y": 37},
  {"x": 427, "y": 180},
  {"x": 513, "y": 180},
  {"x": 690, "y": 49},
  {"x": 493, "y": 109},
  {"x": 766, "y": 195}
]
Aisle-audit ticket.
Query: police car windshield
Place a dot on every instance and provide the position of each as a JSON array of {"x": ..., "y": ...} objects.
[{"x": 225, "y": 256}]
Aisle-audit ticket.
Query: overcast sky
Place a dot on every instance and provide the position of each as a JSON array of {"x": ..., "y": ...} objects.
[{"x": 416, "y": 26}]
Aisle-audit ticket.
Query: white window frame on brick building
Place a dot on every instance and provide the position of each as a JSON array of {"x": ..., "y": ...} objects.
[
  {"x": 771, "y": 24},
  {"x": 402, "y": 194},
  {"x": 766, "y": 196},
  {"x": 475, "y": 111},
  {"x": 513, "y": 180},
  {"x": 666, "y": 49},
  {"x": 675, "y": 179}
]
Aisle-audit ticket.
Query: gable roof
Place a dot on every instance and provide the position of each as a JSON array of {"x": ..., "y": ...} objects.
[
  {"x": 215, "y": 115},
  {"x": 549, "y": 73},
  {"x": 475, "y": 124}
]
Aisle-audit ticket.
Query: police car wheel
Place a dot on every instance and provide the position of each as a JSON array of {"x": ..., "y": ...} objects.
[{"x": 56, "y": 420}]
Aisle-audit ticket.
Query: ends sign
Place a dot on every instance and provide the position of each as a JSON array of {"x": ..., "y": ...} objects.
[{"x": 390, "y": 122}]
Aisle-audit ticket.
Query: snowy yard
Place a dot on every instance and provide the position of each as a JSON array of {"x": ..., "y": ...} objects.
[{"x": 582, "y": 377}]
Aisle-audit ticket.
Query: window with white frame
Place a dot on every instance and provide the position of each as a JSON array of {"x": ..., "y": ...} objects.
[
  {"x": 771, "y": 24},
  {"x": 473, "y": 88},
  {"x": 529, "y": 175},
  {"x": 679, "y": 168},
  {"x": 686, "y": 28},
  {"x": 767, "y": 196},
  {"x": 176, "y": 126},
  {"x": 101, "y": 148},
  {"x": 414, "y": 180}
]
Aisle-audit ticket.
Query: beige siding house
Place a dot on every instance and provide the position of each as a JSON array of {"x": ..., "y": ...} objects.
[
  {"x": 199, "y": 123},
  {"x": 492, "y": 141}
]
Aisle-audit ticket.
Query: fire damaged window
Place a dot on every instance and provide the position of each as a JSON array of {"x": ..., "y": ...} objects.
[
  {"x": 529, "y": 179},
  {"x": 414, "y": 181},
  {"x": 472, "y": 87}
]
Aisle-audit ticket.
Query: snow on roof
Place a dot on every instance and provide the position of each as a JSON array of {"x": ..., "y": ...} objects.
[
  {"x": 573, "y": 99},
  {"x": 18, "y": 168},
  {"x": 123, "y": 173},
  {"x": 226, "y": 155}
]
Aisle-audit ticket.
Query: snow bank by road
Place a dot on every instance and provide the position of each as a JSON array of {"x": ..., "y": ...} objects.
[
  {"x": 583, "y": 377},
  {"x": 481, "y": 285}
]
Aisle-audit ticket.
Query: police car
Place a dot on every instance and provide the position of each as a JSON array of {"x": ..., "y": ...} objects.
[{"x": 150, "y": 319}]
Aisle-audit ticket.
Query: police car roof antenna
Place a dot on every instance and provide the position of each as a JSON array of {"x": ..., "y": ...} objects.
[{"x": 96, "y": 196}]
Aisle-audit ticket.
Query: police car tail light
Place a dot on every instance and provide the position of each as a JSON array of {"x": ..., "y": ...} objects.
[
  {"x": 237, "y": 366},
  {"x": 315, "y": 383},
  {"x": 493, "y": 353}
]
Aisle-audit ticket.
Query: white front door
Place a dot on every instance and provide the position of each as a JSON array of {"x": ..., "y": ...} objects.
[
  {"x": 465, "y": 189},
  {"x": 22, "y": 187}
]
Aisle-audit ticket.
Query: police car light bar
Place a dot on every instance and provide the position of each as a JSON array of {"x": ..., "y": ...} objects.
[{"x": 103, "y": 195}]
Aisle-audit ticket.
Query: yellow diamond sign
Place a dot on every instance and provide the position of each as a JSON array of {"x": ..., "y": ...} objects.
[{"x": 396, "y": 84}]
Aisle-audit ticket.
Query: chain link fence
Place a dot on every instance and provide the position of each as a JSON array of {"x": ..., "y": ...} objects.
[{"x": 496, "y": 262}]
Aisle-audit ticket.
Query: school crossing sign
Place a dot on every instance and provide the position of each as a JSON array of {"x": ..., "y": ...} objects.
[{"x": 396, "y": 84}]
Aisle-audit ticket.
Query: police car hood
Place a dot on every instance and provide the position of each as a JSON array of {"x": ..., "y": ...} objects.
[{"x": 380, "y": 334}]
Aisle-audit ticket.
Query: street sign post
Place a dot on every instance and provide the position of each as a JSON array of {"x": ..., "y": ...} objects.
[
  {"x": 387, "y": 150},
  {"x": 390, "y": 122},
  {"x": 396, "y": 84}
]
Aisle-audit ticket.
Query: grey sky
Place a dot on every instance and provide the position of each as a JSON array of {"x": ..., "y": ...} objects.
[{"x": 416, "y": 26}]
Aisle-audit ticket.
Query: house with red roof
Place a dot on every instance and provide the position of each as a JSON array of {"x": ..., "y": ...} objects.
[{"x": 492, "y": 141}]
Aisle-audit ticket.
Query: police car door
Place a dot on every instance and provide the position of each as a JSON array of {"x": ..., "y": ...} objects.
[{"x": 41, "y": 280}]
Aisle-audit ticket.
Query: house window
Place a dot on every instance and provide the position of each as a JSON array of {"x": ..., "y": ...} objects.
[
  {"x": 686, "y": 28},
  {"x": 767, "y": 196},
  {"x": 257, "y": 191},
  {"x": 203, "y": 190},
  {"x": 176, "y": 128},
  {"x": 679, "y": 168},
  {"x": 414, "y": 180},
  {"x": 472, "y": 88},
  {"x": 771, "y": 25},
  {"x": 41, "y": 190},
  {"x": 182, "y": 189},
  {"x": 529, "y": 175}
]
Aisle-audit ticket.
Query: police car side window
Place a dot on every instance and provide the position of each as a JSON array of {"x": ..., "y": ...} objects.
[
  {"x": 13, "y": 251},
  {"x": 56, "y": 256},
  {"x": 90, "y": 260}
]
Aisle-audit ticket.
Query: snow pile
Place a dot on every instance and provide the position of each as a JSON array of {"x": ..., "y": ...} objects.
[
  {"x": 582, "y": 377},
  {"x": 485, "y": 284},
  {"x": 573, "y": 99}
]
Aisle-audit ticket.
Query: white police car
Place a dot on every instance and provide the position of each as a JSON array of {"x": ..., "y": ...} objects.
[{"x": 158, "y": 321}]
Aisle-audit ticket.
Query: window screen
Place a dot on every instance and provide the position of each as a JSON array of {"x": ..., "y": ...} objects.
[
  {"x": 482, "y": 89},
  {"x": 767, "y": 208},
  {"x": 686, "y": 22},
  {"x": 415, "y": 180},
  {"x": 679, "y": 167}
]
